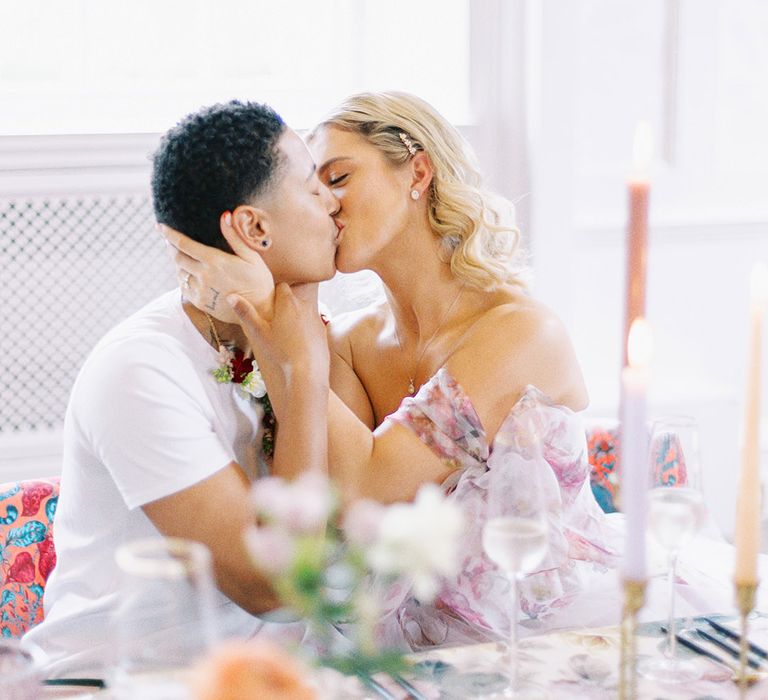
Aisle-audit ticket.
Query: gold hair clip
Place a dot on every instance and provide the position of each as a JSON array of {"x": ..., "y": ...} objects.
[{"x": 407, "y": 143}]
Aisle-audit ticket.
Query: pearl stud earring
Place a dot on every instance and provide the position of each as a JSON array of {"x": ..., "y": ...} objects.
[{"x": 414, "y": 195}]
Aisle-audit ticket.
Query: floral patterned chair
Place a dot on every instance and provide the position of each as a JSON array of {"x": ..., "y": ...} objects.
[
  {"x": 603, "y": 444},
  {"x": 27, "y": 555},
  {"x": 603, "y": 449}
]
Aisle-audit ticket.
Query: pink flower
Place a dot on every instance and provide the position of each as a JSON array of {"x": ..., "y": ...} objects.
[
  {"x": 312, "y": 500},
  {"x": 300, "y": 506},
  {"x": 271, "y": 499},
  {"x": 272, "y": 549},
  {"x": 361, "y": 522}
]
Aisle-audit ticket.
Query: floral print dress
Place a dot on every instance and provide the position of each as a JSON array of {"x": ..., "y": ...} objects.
[{"x": 539, "y": 445}]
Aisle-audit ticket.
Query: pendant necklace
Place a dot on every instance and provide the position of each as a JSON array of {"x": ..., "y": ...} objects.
[{"x": 412, "y": 377}]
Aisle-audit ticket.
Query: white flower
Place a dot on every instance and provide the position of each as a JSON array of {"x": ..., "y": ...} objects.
[
  {"x": 420, "y": 540},
  {"x": 253, "y": 384}
]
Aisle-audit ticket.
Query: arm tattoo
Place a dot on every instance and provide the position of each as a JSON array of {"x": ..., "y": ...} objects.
[{"x": 211, "y": 306}]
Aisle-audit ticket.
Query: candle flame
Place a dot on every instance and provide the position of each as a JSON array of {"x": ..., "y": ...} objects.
[
  {"x": 759, "y": 283},
  {"x": 642, "y": 150},
  {"x": 640, "y": 344}
]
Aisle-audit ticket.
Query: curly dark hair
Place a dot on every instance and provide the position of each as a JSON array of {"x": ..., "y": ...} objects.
[{"x": 213, "y": 161}]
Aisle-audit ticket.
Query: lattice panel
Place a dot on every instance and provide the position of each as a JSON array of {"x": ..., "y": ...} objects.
[{"x": 70, "y": 269}]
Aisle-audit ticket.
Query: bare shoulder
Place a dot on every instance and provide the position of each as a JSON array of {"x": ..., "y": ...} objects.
[
  {"x": 529, "y": 325},
  {"x": 524, "y": 341},
  {"x": 356, "y": 328}
]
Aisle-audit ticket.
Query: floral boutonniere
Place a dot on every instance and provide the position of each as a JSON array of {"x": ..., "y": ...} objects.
[{"x": 235, "y": 368}]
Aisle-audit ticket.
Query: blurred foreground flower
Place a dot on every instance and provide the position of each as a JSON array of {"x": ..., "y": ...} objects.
[
  {"x": 333, "y": 568},
  {"x": 418, "y": 540},
  {"x": 247, "y": 670}
]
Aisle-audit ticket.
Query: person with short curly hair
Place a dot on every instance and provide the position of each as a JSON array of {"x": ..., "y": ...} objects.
[
  {"x": 213, "y": 160},
  {"x": 168, "y": 423}
]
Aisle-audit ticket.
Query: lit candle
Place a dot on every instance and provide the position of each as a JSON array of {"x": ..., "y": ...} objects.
[
  {"x": 634, "y": 448},
  {"x": 747, "y": 536},
  {"x": 637, "y": 229}
]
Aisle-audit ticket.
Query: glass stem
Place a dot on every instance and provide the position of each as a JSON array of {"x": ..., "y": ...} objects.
[
  {"x": 672, "y": 641},
  {"x": 513, "y": 616}
]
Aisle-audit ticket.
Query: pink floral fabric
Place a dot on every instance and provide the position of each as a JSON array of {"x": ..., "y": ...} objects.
[
  {"x": 539, "y": 445},
  {"x": 27, "y": 554}
]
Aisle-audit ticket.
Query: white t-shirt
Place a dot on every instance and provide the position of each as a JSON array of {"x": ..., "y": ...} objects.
[{"x": 145, "y": 419}]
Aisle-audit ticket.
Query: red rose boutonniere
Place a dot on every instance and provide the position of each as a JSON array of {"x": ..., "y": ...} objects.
[{"x": 235, "y": 368}]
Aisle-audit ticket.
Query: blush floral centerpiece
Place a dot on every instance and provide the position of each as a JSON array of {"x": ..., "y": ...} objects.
[{"x": 333, "y": 567}]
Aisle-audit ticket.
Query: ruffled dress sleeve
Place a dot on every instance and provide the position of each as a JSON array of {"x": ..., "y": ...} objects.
[
  {"x": 444, "y": 418},
  {"x": 539, "y": 445}
]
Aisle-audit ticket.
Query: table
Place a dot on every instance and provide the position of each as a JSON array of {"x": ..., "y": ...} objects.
[
  {"x": 584, "y": 664},
  {"x": 570, "y": 664}
]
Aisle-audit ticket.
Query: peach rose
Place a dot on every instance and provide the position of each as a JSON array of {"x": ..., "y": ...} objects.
[{"x": 240, "y": 670}]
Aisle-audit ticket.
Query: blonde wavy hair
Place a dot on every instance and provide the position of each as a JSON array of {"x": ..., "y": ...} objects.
[{"x": 476, "y": 227}]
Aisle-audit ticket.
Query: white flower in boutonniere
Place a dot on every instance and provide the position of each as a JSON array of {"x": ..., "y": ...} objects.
[{"x": 253, "y": 383}]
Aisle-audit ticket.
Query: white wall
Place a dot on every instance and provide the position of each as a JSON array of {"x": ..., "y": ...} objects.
[{"x": 696, "y": 70}]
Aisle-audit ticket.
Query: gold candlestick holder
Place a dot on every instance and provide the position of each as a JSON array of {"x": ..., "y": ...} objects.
[
  {"x": 745, "y": 602},
  {"x": 634, "y": 599}
]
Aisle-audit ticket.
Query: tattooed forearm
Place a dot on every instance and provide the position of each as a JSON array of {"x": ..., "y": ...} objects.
[{"x": 211, "y": 305}]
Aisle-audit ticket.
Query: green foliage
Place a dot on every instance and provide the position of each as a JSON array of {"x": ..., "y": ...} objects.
[{"x": 366, "y": 665}]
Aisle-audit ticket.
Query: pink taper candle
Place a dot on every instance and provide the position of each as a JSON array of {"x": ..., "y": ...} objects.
[
  {"x": 633, "y": 487},
  {"x": 747, "y": 536},
  {"x": 637, "y": 230}
]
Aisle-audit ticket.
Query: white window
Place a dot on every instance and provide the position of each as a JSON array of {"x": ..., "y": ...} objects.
[
  {"x": 109, "y": 66},
  {"x": 698, "y": 71}
]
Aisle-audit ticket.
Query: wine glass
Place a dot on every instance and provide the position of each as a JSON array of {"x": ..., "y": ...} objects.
[
  {"x": 515, "y": 535},
  {"x": 165, "y": 619},
  {"x": 675, "y": 515}
]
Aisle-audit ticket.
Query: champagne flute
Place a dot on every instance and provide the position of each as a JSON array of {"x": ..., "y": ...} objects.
[
  {"x": 675, "y": 515},
  {"x": 165, "y": 619},
  {"x": 515, "y": 535}
]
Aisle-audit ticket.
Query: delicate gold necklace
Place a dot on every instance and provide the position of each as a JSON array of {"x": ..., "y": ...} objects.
[
  {"x": 412, "y": 377},
  {"x": 214, "y": 333}
]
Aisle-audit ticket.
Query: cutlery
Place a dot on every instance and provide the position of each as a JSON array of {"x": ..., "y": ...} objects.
[
  {"x": 726, "y": 646},
  {"x": 728, "y": 632},
  {"x": 730, "y": 665},
  {"x": 81, "y": 682},
  {"x": 701, "y": 651},
  {"x": 412, "y": 690},
  {"x": 377, "y": 687}
]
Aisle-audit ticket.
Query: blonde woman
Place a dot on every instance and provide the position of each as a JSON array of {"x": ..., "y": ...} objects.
[{"x": 456, "y": 358}]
